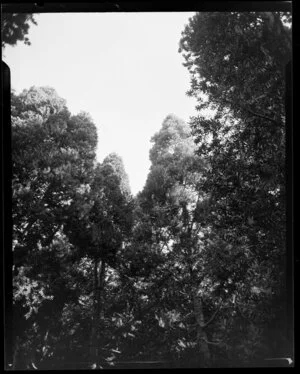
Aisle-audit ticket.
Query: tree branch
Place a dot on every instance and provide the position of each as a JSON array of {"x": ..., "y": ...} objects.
[
  {"x": 213, "y": 316},
  {"x": 214, "y": 343},
  {"x": 241, "y": 313},
  {"x": 143, "y": 311},
  {"x": 260, "y": 115},
  {"x": 253, "y": 113}
]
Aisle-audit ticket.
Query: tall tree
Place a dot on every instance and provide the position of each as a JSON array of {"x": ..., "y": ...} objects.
[
  {"x": 237, "y": 63},
  {"x": 175, "y": 208},
  {"x": 99, "y": 223},
  {"x": 52, "y": 154}
]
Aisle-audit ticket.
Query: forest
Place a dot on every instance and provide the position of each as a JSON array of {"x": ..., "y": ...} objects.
[{"x": 190, "y": 272}]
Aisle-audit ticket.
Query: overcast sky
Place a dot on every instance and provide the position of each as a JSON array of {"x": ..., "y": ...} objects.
[{"x": 122, "y": 68}]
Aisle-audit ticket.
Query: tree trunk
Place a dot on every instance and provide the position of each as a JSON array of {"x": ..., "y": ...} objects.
[
  {"x": 100, "y": 294},
  {"x": 93, "y": 351},
  {"x": 99, "y": 273},
  {"x": 202, "y": 341},
  {"x": 16, "y": 354}
]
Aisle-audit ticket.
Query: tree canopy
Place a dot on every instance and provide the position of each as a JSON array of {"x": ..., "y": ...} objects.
[
  {"x": 238, "y": 61},
  {"x": 191, "y": 271}
]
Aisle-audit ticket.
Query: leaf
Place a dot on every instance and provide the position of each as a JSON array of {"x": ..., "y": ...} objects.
[
  {"x": 238, "y": 30},
  {"x": 161, "y": 323},
  {"x": 250, "y": 221},
  {"x": 181, "y": 343}
]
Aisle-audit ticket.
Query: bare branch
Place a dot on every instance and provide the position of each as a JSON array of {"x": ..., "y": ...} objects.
[{"x": 214, "y": 343}]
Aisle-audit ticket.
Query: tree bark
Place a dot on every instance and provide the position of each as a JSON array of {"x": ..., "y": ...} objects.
[
  {"x": 202, "y": 340},
  {"x": 100, "y": 294},
  {"x": 93, "y": 352},
  {"x": 16, "y": 354},
  {"x": 98, "y": 315}
]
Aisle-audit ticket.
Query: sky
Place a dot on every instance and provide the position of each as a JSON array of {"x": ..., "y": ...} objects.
[{"x": 124, "y": 69}]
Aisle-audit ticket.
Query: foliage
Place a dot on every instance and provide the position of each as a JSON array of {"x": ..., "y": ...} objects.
[
  {"x": 190, "y": 271},
  {"x": 238, "y": 60},
  {"x": 244, "y": 144},
  {"x": 67, "y": 213},
  {"x": 52, "y": 152},
  {"x": 15, "y": 27},
  {"x": 99, "y": 218},
  {"x": 168, "y": 220},
  {"x": 116, "y": 162}
]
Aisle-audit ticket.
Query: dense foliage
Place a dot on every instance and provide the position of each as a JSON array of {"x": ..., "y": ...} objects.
[
  {"x": 15, "y": 27},
  {"x": 238, "y": 60},
  {"x": 188, "y": 273}
]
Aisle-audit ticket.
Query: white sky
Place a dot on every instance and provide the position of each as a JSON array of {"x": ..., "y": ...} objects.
[{"x": 122, "y": 68}]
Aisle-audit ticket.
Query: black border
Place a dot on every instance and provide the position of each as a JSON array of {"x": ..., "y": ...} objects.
[
  {"x": 142, "y": 6},
  {"x": 146, "y": 6},
  {"x": 6, "y": 232}
]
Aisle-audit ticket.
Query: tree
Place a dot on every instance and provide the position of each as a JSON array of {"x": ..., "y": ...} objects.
[
  {"x": 99, "y": 224},
  {"x": 15, "y": 27},
  {"x": 52, "y": 154},
  {"x": 244, "y": 145},
  {"x": 71, "y": 217},
  {"x": 220, "y": 49},
  {"x": 173, "y": 226},
  {"x": 116, "y": 162}
]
